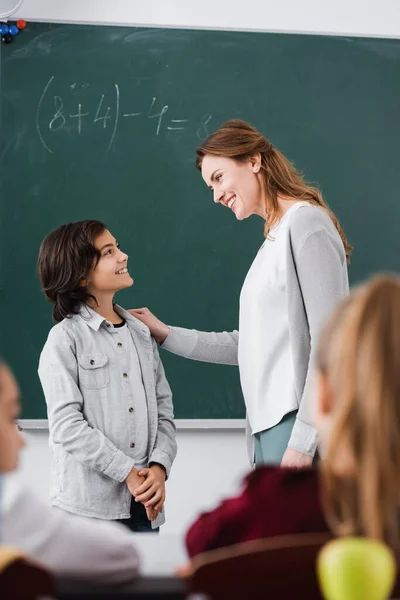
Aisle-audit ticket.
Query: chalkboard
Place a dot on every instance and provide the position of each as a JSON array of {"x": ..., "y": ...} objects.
[{"x": 102, "y": 122}]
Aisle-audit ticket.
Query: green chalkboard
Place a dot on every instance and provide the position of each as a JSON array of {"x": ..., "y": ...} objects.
[{"x": 103, "y": 122}]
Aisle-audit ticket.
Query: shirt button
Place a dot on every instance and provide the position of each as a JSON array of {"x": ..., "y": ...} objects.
[
  {"x": 92, "y": 362},
  {"x": 125, "y": 375},
  {"x": 108, "y": 325},
  {"x": 132, "y": 445},
  {"x": 119, "y": 344},
  {"x": 131, "y": 409}
]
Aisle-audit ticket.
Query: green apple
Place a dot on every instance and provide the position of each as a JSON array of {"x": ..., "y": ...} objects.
[{"x": 356, "y": 569}]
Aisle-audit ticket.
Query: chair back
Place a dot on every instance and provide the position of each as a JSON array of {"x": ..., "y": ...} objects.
[
  {"x": 278, "y": 568},
  {"x": 21, "y": 578}
]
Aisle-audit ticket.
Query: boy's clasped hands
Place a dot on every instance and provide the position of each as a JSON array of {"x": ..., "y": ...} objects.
[{"x": 148, "y": 487}]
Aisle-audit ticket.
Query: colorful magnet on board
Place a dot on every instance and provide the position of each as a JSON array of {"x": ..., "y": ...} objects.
[
  {"x": 3, "y": 28},
  {"x": 14, "y": 30},
  {"x": 7, "y": 39},
  {"x": 21, "y": 24}
]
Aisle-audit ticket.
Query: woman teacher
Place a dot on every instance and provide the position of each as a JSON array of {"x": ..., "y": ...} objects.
[{"x": 297, "y": 277}]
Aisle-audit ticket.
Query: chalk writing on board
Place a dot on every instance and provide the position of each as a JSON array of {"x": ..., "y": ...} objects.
[
  {"x": 157, "y": 115},
  {"x": 77, "y": 115},
  {"x": 106, "y": 115},
  {"x": 175, "y": 127},
  {"x": 58, "y": 121},
  {"x": 202, "y": 132},
  {"x": 131, "y": 114},
  {"x": 116, "y": 117},
  {"x": 46, "y": 87}
]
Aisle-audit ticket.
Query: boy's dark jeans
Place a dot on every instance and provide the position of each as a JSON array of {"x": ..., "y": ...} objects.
[{"x": 138, "y": 521}]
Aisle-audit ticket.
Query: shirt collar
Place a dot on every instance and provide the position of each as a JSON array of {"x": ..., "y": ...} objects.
[
  {"x": 94, "y": 320},
  {"x": 91, "y": 317}
]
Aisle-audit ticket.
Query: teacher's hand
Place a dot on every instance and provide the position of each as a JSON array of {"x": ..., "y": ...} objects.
[
  {"x": 158, "y": 329},
  {"x": 296, "y": 460}
]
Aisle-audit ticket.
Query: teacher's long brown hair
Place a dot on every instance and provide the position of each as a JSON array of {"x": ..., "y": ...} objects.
[{"x": 239, "y": 140}]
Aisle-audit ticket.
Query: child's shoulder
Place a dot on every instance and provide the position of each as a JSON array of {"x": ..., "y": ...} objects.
[
  {"x": 134, "y": 322},
  {"x": 131, "y": 319},
  {"x": 63, "y": 330}
]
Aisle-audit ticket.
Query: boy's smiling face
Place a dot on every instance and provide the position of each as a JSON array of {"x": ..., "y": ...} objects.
[{"x": 110, "y": 274}]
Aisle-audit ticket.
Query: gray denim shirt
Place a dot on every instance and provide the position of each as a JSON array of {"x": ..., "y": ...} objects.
[{"x": 89, "y": 418}]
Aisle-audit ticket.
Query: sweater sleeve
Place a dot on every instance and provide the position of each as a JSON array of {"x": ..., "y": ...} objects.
[
  {"x": 68, "y": 545},
  {"x": 227, "y": 523},
  {"x": 274, "y": 501},
  {"x": 221, "y": 348},
  {"x": 323, "y": 282}
]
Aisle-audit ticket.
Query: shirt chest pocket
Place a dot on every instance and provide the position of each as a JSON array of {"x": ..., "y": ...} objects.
[{"x": 94, "y": 371}]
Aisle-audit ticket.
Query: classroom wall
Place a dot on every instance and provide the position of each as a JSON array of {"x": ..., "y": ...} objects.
[
  {"x": 209, "y": 463},
  {"x": 356, "y": 17}
]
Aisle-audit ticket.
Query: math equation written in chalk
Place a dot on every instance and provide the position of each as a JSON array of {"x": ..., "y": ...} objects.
[{"x": 72, "y": 113}]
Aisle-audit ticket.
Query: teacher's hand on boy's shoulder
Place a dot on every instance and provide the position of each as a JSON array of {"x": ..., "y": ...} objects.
[
  {"x": 158, "y": 329},
  {"x": 295, "y": 459},
  {"x": 152, "y": 492}
]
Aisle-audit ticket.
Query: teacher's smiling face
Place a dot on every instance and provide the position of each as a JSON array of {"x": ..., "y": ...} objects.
[{"x": 236, "y": 185}]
